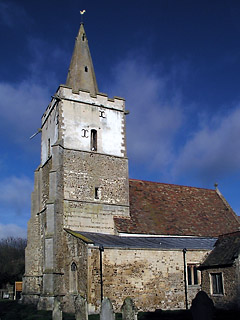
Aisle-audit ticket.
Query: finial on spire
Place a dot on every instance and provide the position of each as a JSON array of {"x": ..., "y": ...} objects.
[
  {"x": 82, "y": 13},
  {"x": 216, "y": 185}
]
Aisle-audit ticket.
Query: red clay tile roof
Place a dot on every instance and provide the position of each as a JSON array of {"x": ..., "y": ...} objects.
[{"x": 167, "y": 209}]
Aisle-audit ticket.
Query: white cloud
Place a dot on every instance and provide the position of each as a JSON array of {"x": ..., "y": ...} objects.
[
  {"x": 12, "y": 230},
  {"x": 15, "y": 193},
  {"x": 153, "y": 120},
  {"x": 214, "y": 150},
  {"x": 21, "y": 109},
  {"x": 158, "y": 127}
]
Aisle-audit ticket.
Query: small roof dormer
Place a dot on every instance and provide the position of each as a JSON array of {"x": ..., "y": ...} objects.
[{"x": 81, "y": 73}]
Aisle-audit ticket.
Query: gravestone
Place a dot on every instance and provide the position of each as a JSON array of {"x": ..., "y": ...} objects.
[
  {"x": 129, "y": 311},
  {"x": 80, "y": 305},
  {"x": 202, "y": 307},
  {"x": 107, "y": 310},
  {"x": 57, "y": 310}
]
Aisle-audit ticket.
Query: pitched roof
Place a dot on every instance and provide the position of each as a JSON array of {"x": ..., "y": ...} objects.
[
  {"x": 165, "y": 243},
  {"x": 167, "y": 209},
  {"x": 226, "y": 250}
]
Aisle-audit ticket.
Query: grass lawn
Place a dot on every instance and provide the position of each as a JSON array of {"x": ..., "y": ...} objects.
[{"x": 11, "y": 310}]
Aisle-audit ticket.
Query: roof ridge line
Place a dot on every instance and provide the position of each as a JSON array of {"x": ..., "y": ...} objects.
[{"x": 171, "y": 184}]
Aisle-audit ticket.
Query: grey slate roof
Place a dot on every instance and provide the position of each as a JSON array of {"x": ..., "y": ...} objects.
[
  {"x": 227, "y": 249},
  {"x": 113, "y": 241}
]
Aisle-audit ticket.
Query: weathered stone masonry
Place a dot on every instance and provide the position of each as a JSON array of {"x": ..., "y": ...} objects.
[
  {"x": 153, "y": 278},
  {"x": 83, "y": 172},
  {"x": 229, "y": 299}
]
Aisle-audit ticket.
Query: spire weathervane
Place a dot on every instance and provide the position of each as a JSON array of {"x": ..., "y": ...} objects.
[{"x": 82, "y": 13}]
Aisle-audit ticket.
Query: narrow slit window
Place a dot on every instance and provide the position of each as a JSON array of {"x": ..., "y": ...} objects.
[
  {"x": 83, "y": 37},
  {"x": 73, "y": 278},
  {"x": 97, "y": 195},
  {"x": 93, "y": 140},
  {"x": 49, "y": 148},
  {"x": 86, "y": 69},
  {"x": 189, "y": 273}
]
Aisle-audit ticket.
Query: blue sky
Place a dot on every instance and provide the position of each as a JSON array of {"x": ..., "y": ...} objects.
[{"x": 177, "y": 63}]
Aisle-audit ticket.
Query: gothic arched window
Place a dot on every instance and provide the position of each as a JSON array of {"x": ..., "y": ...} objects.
[{"x": 73, "y": 267}]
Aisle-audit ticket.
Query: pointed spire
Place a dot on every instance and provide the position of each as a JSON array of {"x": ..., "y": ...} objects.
[{"x": 81, "y": 74}]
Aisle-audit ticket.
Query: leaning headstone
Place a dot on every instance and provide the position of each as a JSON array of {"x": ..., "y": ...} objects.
[
  {"x": 107, "y": 310},
  {"x": 57, "y": 310},
  {"x": 202, "y": 307},
  {"x": 80, "y": 305},
  {"x": 129, "y": 311}
]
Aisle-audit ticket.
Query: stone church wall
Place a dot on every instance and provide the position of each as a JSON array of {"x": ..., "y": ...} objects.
[
  {"x": 50, "y": 130},
  {"x": 45, "y": 182},
  {"x": 153, "y": 279},
  {"x": 230, "y": 276},
  {"x": 83, "y": 173},
  {"x": 82, "y": 112},
  {"x": 74, "y": 278},
  {"x": 32, "y": 284}
]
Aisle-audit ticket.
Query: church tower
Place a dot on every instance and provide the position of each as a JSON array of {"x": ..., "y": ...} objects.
[{"x": 82, "y": 181}]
